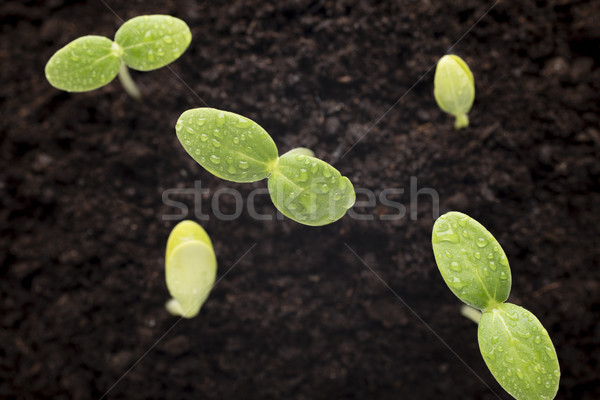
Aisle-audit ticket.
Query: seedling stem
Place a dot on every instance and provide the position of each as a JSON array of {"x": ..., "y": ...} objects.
[
  {"x": 128, "y": 83},
  {"x": 471, "y": 313}
]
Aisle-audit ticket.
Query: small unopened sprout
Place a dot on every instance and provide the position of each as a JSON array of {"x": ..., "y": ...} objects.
[
  {"x": 190, "y": 268},
  {"x": 512, "y": 341},
  {"x": 143, "y": 43},
  {"x": 454, "y": 88},
  {"x": 303, "y": 187}
]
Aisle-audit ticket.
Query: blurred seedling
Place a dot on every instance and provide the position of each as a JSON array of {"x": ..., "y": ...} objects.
[
  {"x": 303, "y": 187},
  {"x": 143, "y": 43},
  {"x": 190, "y": 268},
  {"x": 512, "y": 341},
  {"x": 454, "y": 88}
]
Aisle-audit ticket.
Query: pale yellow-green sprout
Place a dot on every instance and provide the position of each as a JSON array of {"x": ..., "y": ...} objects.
[
  {"x": 190, "y": 268},
  {"x": 454, "y": 88}
]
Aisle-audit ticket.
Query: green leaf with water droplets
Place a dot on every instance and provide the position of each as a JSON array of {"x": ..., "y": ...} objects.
[
  {"x": 519, "y": 352},
  {"x": 190, "y": 268},
  {"x": 152, "y": 41},
  {"x": 84, "y": 64},
  {"x": 228, "y": 145},
  {"x": 309, "y": 190},
  {"x": 454, "y": 88},
  {"x": 470, "y": 260}
]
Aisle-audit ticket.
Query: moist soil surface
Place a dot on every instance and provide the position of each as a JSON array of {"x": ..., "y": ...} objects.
[{"x": 353, "y": 310}]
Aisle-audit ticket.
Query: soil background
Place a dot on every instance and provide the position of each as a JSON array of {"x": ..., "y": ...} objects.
[{"x": 296, "y": 314}]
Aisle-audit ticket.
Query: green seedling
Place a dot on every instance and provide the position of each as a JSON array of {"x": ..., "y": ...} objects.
[
  {"x": 454, "y": 88},
  {"x": 303, "y": 187},
  {"x": 143, "y": 43},
  {"x": 513, "y": 342},
  {"x": 190, "y": 268}
]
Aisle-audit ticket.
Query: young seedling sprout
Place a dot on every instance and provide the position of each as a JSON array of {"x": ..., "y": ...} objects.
[
  {"x": 454, "y": 88},
  {"x": 190, "y": 268},
  {"x": 143, "y": 43},
  {"x": 513, "y": 342},
  {"x": 232, "y": 147}
]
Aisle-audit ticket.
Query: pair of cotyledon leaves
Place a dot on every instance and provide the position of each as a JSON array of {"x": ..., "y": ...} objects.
[
  {"x": 190, "y": 268},
  {"x": 143, "y": 43},
  {"x": 454, "y": 88},
  {"x": 513, "y": 342},
  {"x": 304, "y": 188}
]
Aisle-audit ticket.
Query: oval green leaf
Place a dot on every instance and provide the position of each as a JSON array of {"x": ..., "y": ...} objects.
[
  {"x": 454, "y": 88},
  {"x": 519, "y": 352},
  {"x": 470, "y": 260},
  {"x": 228, "y": 145},
  {"x": 190, "y": 268},
  {"x": 152, "y": 41},
  {"x": 309, "y": 190},
  {"x": 84, "y": 64}
]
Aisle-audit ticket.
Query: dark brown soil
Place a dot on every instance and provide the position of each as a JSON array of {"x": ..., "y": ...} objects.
[{"x": 299, "y": 316}]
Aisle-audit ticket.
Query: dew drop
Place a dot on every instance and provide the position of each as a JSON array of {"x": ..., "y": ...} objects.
[
  {"x": 492, "y": 265},
  {"x": 220, "y": 119},
  {"x": 520, "y": 373},
  {"x": 197, "y": 152},
  {"x": 243, "y": 123},
  {"x": 168, "y": 39},
  {"x": 442, "y": 232},
  {"x": 337, "y": 196},
  {"x": 215, "y": 143},
  {"x": 463, "y": 220},
  {"x": 466, "y": 234},
  {"x": 303, "y": 175},
  {"x": 477, "y": 255},
  {"x": 203, "y": 137},
  {"x": 448, "y": 254},
  {"x": 300, "y": 157},
  {"x": 457, "y": 284},
  {"x": 215, "y": 159},
  {"x": 326, "y": 172},
  {"x": 494, "y": 339},
  {"x": 454, "y": 266},
  {"x": 324, "y": 188},
  {"x": 482, "y": 242},
  {"x": 503, "y": 276},
  {"x": 523, "y": 333},
  {"x": 236, "y": 140},
  {"x": 243, "y": 164},
  {"x": 537, "y": 339}
]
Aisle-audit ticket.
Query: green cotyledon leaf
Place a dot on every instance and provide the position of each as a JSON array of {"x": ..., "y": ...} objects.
[
  {"x": 190, "y": 268},
  {"x": 454, "y": 88},
  {"x": 228, "y": 145},
  {"x": 309, "y": 190},
  {"x": 470, "y": 260},
  {"x": 152, "y": 41},
  {"x": 519, "y": 352},
  {"x": 84, "y": 64}
]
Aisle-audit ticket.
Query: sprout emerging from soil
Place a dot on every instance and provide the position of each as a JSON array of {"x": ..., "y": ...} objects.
[
  {"x": 513, "y": 342},
  {"x": 190, "y": 268},
  {"x": 303, "y": 187},
  {"x": 454, "y": 88},
  {"x": 143, "y": 43}
]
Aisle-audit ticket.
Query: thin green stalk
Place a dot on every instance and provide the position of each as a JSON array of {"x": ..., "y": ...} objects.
[
  {"x": 128, "y": 83},
  {"x": 471, "y": 313}
]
